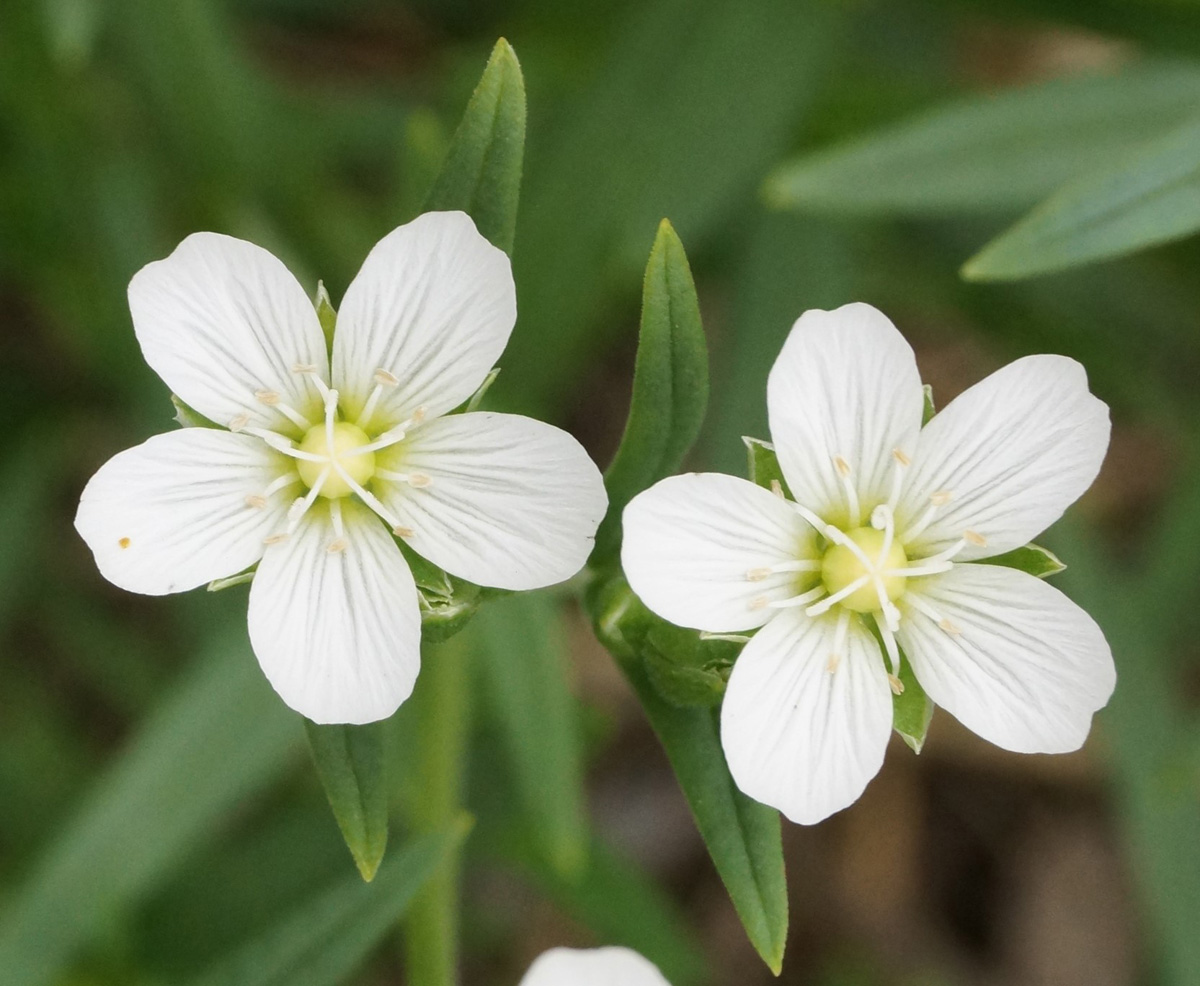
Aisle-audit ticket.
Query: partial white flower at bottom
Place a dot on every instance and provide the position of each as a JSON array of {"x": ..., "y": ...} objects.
[
  {"x": 319, "y": 464},
  {"x": 879, "y": 552},
  {"x": 592, "y": 967}
]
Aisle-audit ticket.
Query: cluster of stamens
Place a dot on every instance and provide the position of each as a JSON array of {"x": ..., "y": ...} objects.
[
  {"x": 864, "y": 569},
  {"x": 334, "y": 458}
]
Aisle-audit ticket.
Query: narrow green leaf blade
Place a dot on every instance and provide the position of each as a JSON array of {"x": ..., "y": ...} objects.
[
  {"x": 218, "y": 738},
  {"x": 520, "y": 646},
  {"x": 670, "y": 386},
  {"x": 482, "y": 171},
  {"x": 326, "y": 939},
  {"x": 350, "y": 763},
  {"x": 992, "y": 151},
  {"x": 743, "y": 836},
  {"x": 763, "y": 466},
  {"x": 1140, "y": 200},
  {"x": 1031, "y": 558},
  {"x": 912, "y": 709}
]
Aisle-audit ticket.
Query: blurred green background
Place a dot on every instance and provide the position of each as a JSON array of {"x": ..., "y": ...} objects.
[{"x": 157, "y": 808}]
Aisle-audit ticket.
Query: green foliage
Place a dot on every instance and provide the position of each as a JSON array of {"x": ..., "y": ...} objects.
[
  {"x": 993, "y": 151},
  {"x": 742, "y": 836},
  {"x": 324, "y": 940},
  {"x": 912, "y": 709},
  {"x": 670, "y": 387},
  {"x": 1031, "y": 558},
  {"x": 350, "y": 762},
  {"x": 1141, "y": 199},
  {"x": 521, "y": 652}
]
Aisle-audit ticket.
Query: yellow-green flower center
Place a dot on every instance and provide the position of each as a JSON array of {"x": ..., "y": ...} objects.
[
  {"x": 842, "y": 566},
  {"x": 346, "y": 438}
]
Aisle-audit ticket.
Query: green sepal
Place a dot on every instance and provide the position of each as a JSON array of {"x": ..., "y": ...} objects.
[
  {"x": 743, "y": 837},
  {"x": 447, "y": 603},
  {"x": 477, "y": 398},
  {"x": 670, "y": 387},
  {"x": 912, "y": 709},
  {"x": 763, "y": 465},
  {"x": 216, "y": 585},
  {"x": 188, "y": 417},
  {"x": 929, "y": 410},
  {"x": 326, "y": 314},
  {"x": 481, "y": 174},
  {"x": 350, "y": 763},
  {"x": 1032, "y": 559},
  {"x": 686, "y": 668}
]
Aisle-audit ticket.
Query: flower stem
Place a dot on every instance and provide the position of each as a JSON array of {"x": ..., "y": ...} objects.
[{"x": 441, "y": 715}]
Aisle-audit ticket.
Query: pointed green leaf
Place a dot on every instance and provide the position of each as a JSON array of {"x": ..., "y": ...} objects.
[
  {"x": 326, "y": 939},
  {"x": 521, "y": 648},
  {"x": 1031, "y": 558},
  {"x": 326, "y": 314},
  {"x": 670, "y": 386},
  {"x": 482, "y": 171},
  {"x": 929, "y": 410},
  {"x": 763, "y": 465},
  {"x": 1137, "y": 200},
  {"x": 912, "y": 709},
  {"x": 350, "y": 763},
  {"x": 189, "y": 417},
  {"x": 686, "y": 668},
  {"x": 992, "y": 151},
  {"x": 218, "y": 738},
  {"x": 743, "y": 836}
]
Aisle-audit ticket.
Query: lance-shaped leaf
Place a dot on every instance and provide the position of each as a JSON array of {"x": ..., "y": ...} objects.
[
  {"x": 993, "y": 151},
  {"x": 670, "y": 386},
  {"x": 912, "y": 709},
  {"x": 350, "y": 763},
  {"x": 482, "y": 171},
  {"x": 326, "y": 939},
  {"x": 743, "y": 836},
  {"x": 1136, "y": 201},
  {"x": 762, "y": 465},
  {"x": 1031, "y": 558}
]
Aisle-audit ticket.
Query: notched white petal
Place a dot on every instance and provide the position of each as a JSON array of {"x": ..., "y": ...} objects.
[
  {"x": 592, "y": 967},
  {"x": 182, "y": 509}
]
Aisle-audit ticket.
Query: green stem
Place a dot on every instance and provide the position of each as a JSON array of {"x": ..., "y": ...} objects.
[{"x": 441, "y": 716}]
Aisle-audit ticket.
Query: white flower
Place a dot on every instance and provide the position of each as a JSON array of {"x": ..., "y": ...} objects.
[
  {"x": 324, "y": 461},
  {"x": 888, "y": 519},
  {"x": 592, "y": 967}
]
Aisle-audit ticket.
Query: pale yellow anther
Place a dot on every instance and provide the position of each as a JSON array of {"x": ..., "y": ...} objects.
[
  {"x": 238, "y": 422},
  {"x": 268, "y": 397},
  {"x": 975, "y": 538},
  {"x": 276, "y": 538},
  {"x": 419, "y": 480},
  {"x": 777, "y": 488},
  {"x": 256, "y": 501},
  {"x": 758, "y": 602},
  {"x": 941, "y": 498},
  {"x": 895, "y": 684},
  {"x": 758, "y": 574},
  {"x": 403, "y": 532},
  {"x": 418, "y": 415},
  {"x": 949, "y": 627},
  {"x": 834, "y": 662},
  {"x": 337, "y": 546},
  {"x": 386, "y": 379},
  {"x": 841, "y": 465},
  {"x": 900, "y": 457},
  {"x": 304, "y": 368}
]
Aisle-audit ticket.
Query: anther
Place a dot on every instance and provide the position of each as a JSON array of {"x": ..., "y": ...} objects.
[
  {"x": 757, "y": 603},
  {"x": 833, "y": 663},
  {"x": 900, "y": 457},
  {"x": 337, "y": 546},
  {"x": 255, "y": 501},
  {"x": 304, "y": 368},
  {"x": 403, "y": 532},
  {"x": 777, "y": 488},
  {"x": 268, "y": 397},
  {"x": 238, "y": 422},
  {"x": 758, "y": 574},
  {"x": 941, "y": 498},
  {"x": 949, "y": 627},
  {"x": 276, "y": 538},
  {"x": 419, "y": 480},
  {"x": 896, "y": 685},
  {"x": 124, "y": 542},
  {"x": 975, "y": 538},
  {"x": 842, "y": 466},
  {"x": 386, "y": 379}
]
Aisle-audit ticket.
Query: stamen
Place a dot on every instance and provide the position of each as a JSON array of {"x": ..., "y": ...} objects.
[
  {"x": 917, "y": 571},
  {"x": 403, "y": 532},
  {"x": 839, "y": 642},
  {"x": 733, "y": 638},
  {"x": 280, "y": 443},
  {"x": 255, "y": 501},
  {"x": 301, "y": 504},
  {"x": 277, "y": 484},
  {"x": 832, "y": 664},
  {"x": 975, "y": 538},
  {"x": 276, "y": 538},
  {"x": 801, "y": 600},
  {"x": 842, "y": 466},
  {"x": 369, "y": 408},
  {"x": 889, "y": 644},
  {"x": 937, "y": 500},
  {"x": 829, "y": 601},
  {"x": 392, "y": 435},
  {"x": 901, "y": 458},
  {"x": 800, "y": 565},
  {"x": 933, "y": 565},
  {"x": 777, "y": 488},
  {"x": 415, "y": 479},
  {"x": 335, "y": 515},
  {"x": 337, "y": 546},
  {"x": 943, "y": 622},
  {"x": 310, "y": 370},
  {"x": 949, "y": 627},
  {"x": 367, "y": 497},
  {"x": 902, "y": 463},
  {"x": 852, "y": 504},
  {"x": 238, "y": 422},
  {"x": 895, "y": 684},
  {"x": 268, "y": 397},
  {"x": 386, "y": 379}
]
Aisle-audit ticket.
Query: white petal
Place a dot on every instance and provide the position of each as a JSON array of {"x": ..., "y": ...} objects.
[
  {"x": 692, "y": 545},
  {"x": 844, "y": 387},
  {"x": 510, "y": 502},
  {"x": 592, "y": 967},
  {"x": 433, "y": 305},
  {"x": 1021, "y": 665},
  {"x": 221, "y": 320},
  {"x": 1014, "y": 451},
  {"x": 797, "y": 736},
  {"x": 172, "y": 514},
  {"x": 337, "y": 632}
]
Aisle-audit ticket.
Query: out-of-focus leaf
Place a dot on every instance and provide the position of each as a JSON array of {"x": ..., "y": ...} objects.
[
  {"x": 993, "y": 151},
  {"x": 928, "y": 411},
  {"x": 686, "y": 668},
  {"x": 350, "y": 763},
  {"x": 521, "y": 650},
  {"x": 482, "y": 171},
  {"x": 1138, "y": 200},
  {"x": 326, "y": 939},
  {"x": 912, "y": 709},
  {"x": 742, "y": 836},
  {"x": 218, "y": 738},
  {"x": 1031, "y": 558},
  {"x": 670, "y": 386}
]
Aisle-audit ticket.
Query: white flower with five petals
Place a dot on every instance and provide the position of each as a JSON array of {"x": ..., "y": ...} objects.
[
  {"x": 878, "y": 553},
  {"x": 329, "y": 457},
  {"x": 610, "y": 966}
]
